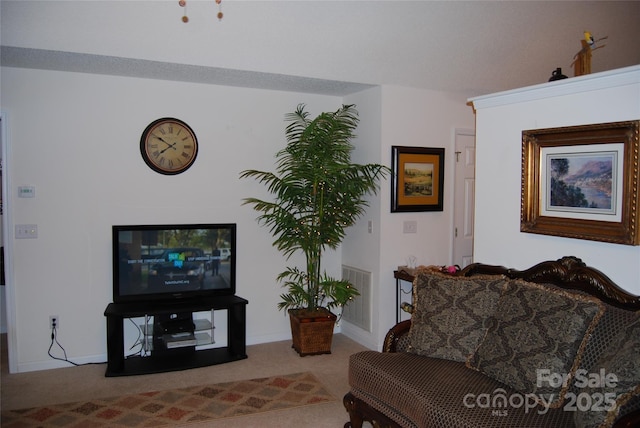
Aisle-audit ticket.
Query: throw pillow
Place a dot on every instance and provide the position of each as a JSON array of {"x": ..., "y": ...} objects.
[
  {"x": 450, "y": 313},
  {"x": 604, "y": 396},
  {"x": 537, "y": 334}
]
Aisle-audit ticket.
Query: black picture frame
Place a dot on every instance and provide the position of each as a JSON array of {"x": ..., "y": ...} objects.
[{"x": 417, "y": 180}]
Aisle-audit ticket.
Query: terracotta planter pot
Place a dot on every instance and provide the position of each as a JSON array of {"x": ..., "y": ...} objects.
[{"x": 312, "y": 331}]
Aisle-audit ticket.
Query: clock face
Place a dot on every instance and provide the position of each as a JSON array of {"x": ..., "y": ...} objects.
[{"x": 169, "y": 146}]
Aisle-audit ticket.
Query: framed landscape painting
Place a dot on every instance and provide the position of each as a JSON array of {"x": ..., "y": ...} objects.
[
  {"x": 582, "y": 182},
  {"x": 417, "y": 180}
]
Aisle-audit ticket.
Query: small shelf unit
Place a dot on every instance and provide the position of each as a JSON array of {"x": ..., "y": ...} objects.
[
  {"x": 191, "y": 349},
  {"x": 203, "y": 335}
]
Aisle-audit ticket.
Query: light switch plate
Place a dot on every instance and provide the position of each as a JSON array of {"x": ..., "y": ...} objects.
[
  {"x": 410, "y": 226},
  {"x": 26, "y": 231}
]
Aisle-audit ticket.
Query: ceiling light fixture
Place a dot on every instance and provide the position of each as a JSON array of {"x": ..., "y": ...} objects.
[{"x": 185, "y": 18}]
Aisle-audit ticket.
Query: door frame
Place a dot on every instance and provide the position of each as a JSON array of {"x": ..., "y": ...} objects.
[
  {"x": 470, "y": 133},
  {"x": 7, "y": 238}
]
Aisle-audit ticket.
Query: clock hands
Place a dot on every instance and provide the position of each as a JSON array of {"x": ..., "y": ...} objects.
[
  {"x": 171, "y": 146},
  {"x": 159, "y": 138}
]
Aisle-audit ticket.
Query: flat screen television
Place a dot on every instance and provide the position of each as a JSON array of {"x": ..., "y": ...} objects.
[{"x": 168, "y": 262}]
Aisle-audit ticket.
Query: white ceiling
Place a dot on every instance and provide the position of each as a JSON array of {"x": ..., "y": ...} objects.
[{"x": 331, "y": 47}]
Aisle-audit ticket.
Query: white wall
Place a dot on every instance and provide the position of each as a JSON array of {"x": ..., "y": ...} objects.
[
  {"x": 501, "y": 118},
  {"x": 75, "y": 137},
  {"x": 361, "y": 249},
  {"x": 408, "y": 117}
]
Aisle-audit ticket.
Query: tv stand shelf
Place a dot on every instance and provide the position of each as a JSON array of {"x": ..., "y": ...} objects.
[{"x": 174, "y": 359}]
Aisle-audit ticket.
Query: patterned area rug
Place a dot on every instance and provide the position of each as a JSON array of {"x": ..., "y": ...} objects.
[{"x": 177, "y": 406}]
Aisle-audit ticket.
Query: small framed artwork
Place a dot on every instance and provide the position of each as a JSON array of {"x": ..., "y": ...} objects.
[
  {"x": 582, "y": 182},
  {"x": 417, "y": 180}
]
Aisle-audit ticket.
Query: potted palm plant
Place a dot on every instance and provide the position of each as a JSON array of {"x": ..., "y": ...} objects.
[{"x": 317, "y": 193}]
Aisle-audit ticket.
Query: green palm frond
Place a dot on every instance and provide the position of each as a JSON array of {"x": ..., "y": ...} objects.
[{"x": 317, "y": 193}]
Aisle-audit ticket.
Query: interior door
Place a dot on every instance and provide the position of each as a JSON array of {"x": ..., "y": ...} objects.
[{"x": 464, "y": 196}]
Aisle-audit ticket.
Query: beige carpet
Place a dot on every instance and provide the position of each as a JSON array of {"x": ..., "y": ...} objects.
[
  {"x": 184, "y": 405},
  {"x": 74, "y": 384}
]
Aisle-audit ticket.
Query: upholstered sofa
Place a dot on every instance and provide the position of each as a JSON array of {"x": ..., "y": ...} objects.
[{"x": 556, "y": 345}]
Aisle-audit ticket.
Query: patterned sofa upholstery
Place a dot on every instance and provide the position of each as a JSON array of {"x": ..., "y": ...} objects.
[{"x": 498, "y": 347}]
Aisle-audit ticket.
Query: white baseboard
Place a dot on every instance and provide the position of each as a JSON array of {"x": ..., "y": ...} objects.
[
  {"x": 58, "y": 364},
  {"x": 359, "y": 335}
]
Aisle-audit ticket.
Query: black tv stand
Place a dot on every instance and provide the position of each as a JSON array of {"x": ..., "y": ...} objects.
[{"x": 180, "y": 358}]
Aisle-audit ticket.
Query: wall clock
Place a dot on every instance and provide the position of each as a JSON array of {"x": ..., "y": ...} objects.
[{"x": 169, "y": 146}]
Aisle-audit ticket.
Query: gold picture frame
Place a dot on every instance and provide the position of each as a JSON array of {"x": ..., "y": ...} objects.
[
  {"x": 417, "y": 180},
  {"x": 582, "y": 182}
]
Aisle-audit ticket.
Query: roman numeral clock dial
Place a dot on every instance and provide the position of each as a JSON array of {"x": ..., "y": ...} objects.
[{"x": 168, "y": 146}]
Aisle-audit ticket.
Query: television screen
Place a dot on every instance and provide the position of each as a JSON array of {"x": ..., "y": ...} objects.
[{"x": 166, "y": 262}]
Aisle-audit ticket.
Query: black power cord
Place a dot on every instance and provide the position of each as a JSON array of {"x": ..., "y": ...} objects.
[
  {"x": 140, "y": 341},
  {"x": 54, "y": 341}
]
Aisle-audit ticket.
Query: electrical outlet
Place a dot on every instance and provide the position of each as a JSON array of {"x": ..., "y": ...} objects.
[{"x": 54, "y": 322}]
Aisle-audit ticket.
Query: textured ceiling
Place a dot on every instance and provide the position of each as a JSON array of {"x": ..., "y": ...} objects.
[{"x": 328, "y": 47}]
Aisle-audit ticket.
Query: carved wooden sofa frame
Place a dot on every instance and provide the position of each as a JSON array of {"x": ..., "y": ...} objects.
[{"x": 568, "y": 272}]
